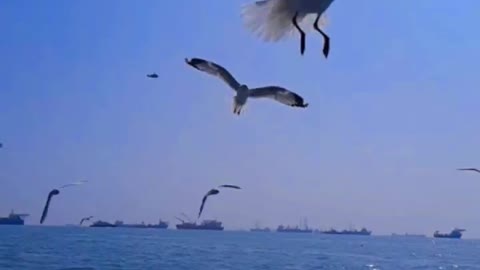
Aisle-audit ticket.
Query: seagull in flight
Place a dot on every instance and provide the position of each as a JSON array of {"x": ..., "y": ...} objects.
[
  {"x": 209, "y": 193},
  {"x": 277, "y": 93},
  {"x": 85, "y": 219},
  {"x": 55, "y": 192},
  {"x": 469, "y": 169},
  {"x": 273, "y": 20},
  {"x": 153, "y": 75},
  {"x": 47, "y": 205}
]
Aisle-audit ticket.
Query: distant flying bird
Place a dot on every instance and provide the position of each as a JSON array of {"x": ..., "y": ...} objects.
[
  {"x": 229, "y": 186},
  {"x": 53, "y": 193},
  {"x": 85, "y": 219},
  {"x": 469, "y": 169},
  {"x": 273, "y": 20},
  {"x": 209, "y": 193},
  {"x": 279, "y": 94},
  {"x": 153, "y": 75}
]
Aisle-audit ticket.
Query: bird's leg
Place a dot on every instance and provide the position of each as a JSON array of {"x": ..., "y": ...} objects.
[
  {"x": 326, "y": 44},
  {"x": 302, "y": 34}
]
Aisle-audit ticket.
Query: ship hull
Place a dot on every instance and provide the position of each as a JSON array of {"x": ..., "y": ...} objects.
[
  {"x": 455, "y": 234},
  {"x": 12, "y": 221},
  {"x": 295, "y": 231},
  {"x": 448, "y": 236},
  {"x": 341, "y": 233},
  {"x": 363, "y": 232},
  {"x": 102, "y": 224},
  {"x": 139, "y": 226},
  {"x": 198, "y": 227}
]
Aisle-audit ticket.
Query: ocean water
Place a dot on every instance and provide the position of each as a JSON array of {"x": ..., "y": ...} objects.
[{"x": 51, "y": 248}]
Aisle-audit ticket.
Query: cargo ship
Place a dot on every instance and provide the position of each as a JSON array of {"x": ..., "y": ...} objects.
[
  {"x": 211, "y": 225},
  {"x": 13, "y": 219},
  {"x": 160, "y": 225},
  {"x": 296, "y": 229},
  {"x": 454, "y": 234},
  {"x": 363, "y": 231}
]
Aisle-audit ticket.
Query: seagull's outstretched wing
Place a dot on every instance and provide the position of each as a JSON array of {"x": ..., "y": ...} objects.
[
  {"x": 230, "y": 186},
  {"x": 215, "y": 70},
  {"x": 74, "y": 184},
  {"x": 211, "y": 192},
  {"x": 203, "y": 204},
  {"x": 85, "y": 219},
  {"x": 47, "y": 204},
  {"x": 469, "y": 169},
  {"x": 279, "y": 94}
]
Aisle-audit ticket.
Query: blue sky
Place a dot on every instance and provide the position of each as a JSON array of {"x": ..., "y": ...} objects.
[{"x": 392, "y": 114}]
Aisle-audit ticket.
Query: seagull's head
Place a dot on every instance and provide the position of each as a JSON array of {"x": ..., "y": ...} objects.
[
  {"x": 243, "y": 87},
  {"x": 54, "y": 192}
]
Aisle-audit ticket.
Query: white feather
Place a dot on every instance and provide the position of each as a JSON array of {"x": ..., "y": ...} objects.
[{"x": 271, "y": 20}]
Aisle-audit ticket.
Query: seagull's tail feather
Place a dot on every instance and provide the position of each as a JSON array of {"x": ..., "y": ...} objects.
[{"x": 271, "y": 20}]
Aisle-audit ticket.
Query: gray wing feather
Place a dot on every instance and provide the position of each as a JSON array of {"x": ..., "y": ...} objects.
[
  {"x": 279, "y": 94},
  {"x": 215, "y": 70}
]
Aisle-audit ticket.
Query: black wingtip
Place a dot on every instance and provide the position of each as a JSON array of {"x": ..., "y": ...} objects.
[
  {"x": 299, "y": 102},
  {"x": 193, "y": 62},
  {"x": 326, "y": 47}
]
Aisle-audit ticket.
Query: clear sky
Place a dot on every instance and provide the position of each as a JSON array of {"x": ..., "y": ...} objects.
[{"x": 392, "y": 114}]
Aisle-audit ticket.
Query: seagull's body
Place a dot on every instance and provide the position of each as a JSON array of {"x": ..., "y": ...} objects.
[
  {"x": 274, "y": 20},
  {"x": 47, "y": 204},
  {"x": 209, "y": 193},
  {"x": 153, "y": 75},
  {"x": 277, "y": 93},
  {"x": 469, "y": 169}
]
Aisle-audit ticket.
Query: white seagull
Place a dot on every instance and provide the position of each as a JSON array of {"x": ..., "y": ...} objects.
[
  {"x": 274, "y": 20},
  {"x": 277, "y": 93}
]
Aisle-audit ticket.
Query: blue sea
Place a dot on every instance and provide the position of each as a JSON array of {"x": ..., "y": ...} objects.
[{"x": 31, "y": 247}]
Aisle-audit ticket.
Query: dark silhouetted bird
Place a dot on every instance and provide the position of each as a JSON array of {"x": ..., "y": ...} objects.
[
  {"x": 85, "y": 219},
  {"x": 53, "y": 193},
  {"x": 47, "y": 205},
  {"x": 209, "y": 193}
]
